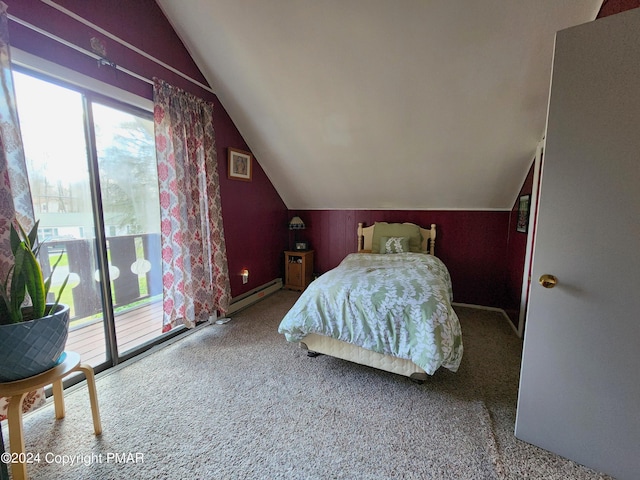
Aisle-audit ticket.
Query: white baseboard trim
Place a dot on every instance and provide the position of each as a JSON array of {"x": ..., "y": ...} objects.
[
  {"x": 255, "y": 295},
  {"x": 492, "y": 309}
]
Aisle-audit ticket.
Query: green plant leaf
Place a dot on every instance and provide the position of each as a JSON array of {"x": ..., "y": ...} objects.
[
  {"x": 34, "y": 282},
  {"x": 47, "y": 283},
  {"x": 18, "y": 285},
  {"x": 33, "y": 237},
  {"x": 55, "y": 304},
  {"x": 6, "y": 312},
  {"x": 14, "y": 239},
  {"x": 26, "y": 277}
]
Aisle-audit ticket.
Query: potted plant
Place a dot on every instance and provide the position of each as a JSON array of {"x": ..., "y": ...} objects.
[{"x": 32, "y": 337}]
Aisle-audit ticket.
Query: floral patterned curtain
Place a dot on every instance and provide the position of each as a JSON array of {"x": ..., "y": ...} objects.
[
  {"x": 195, "y": 275},
  {"x": 15, "y": 196}
]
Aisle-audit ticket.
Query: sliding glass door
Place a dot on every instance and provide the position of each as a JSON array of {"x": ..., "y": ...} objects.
[
  {"x": 93, "y": 180},
  {"x": 128, "y": 177}
]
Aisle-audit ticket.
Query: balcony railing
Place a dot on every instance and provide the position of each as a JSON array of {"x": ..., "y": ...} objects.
[
  {"x": 136, "y": 285},
  {"x": 134, "y": 270}
]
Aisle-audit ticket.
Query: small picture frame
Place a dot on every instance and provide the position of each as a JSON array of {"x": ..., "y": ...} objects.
[
  {"x": 523, "y": 213},
  {"x": 240, "y": 165},
  {"x": 301, "y": 246}
]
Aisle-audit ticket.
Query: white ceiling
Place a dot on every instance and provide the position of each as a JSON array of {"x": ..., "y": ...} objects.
[{"x": 383, "y": 104}]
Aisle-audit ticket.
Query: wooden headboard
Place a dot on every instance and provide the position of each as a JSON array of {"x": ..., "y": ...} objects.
[{"x": 365, "y": 238}]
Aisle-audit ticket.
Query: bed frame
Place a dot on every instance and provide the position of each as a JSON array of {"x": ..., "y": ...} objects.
[
  {"x": 316, "y": 344},
  {"x": 365, "y": 238}
]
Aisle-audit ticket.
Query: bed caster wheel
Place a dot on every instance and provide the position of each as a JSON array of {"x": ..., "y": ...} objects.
[{"x": 418, "y": 378}]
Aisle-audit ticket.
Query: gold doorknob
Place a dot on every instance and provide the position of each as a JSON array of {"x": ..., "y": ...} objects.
[{"x": 548, "y": 281}]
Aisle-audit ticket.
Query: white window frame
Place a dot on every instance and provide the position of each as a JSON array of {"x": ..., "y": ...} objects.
[{"x": 55, "y": 71}]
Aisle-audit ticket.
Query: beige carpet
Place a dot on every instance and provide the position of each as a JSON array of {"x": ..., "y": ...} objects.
[{"x": 237, "y": 401}]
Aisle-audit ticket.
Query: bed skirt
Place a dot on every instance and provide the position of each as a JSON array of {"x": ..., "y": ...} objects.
[{"x": 353, "y": 353}]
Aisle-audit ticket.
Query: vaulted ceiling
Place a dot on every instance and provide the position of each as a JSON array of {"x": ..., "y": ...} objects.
[{"x": 383, "y": 104}]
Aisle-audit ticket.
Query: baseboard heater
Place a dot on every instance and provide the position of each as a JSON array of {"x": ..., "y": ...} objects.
[{"x": 253, "y": 296}]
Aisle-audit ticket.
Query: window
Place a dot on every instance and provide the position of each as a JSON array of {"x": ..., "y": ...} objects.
[{"x": 93, "y": 178}]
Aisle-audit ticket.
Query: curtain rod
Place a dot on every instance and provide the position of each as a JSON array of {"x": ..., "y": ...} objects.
[
  {"x": 122, "y": 42},
  {"x": 113, "y": 37},
  {"x": 95, "y": 56}
]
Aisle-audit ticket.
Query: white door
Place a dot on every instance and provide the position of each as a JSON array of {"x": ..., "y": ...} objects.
[{"x": 580, "y": 380}]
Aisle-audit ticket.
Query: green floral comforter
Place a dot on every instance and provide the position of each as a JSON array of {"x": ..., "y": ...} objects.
[{"x": 396, "y": 305}]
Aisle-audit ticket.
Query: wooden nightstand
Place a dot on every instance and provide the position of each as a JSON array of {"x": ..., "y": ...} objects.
[{"x": 298, "y": 269}]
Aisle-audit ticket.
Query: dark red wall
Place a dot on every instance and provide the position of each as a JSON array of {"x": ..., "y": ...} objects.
[
  {"x": 470, "y": 243},
  {"x": 611, "y": 7},
  {"x": 254, "y": 214},
  {"x": 482, "y": 250}
]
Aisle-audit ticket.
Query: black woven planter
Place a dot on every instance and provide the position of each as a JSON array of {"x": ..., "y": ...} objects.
[{"x": 32, "y": 347}]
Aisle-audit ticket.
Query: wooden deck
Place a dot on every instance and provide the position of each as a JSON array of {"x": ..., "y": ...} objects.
[{"x": 133, "y": 328}]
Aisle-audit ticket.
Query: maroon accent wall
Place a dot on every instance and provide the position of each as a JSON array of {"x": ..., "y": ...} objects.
[
  {"x": 470, "y": 243},
  {"x": 255, "y": 216},
  {"x": 611, "y": 7}
]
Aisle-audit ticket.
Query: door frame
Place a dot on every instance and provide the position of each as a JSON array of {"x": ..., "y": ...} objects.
[{"x": 528, "y": 257}]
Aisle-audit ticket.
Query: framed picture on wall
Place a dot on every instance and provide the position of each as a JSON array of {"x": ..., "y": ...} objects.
[
  {"x": 240, "y": 165},
  {"x": 523, "y": 213}
]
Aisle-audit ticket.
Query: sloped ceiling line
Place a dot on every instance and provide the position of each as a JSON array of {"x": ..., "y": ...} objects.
[{"x": 372, "y": 104}]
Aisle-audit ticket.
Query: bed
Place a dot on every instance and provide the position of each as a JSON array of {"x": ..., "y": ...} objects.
[{"x": 387, "y": 306}]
